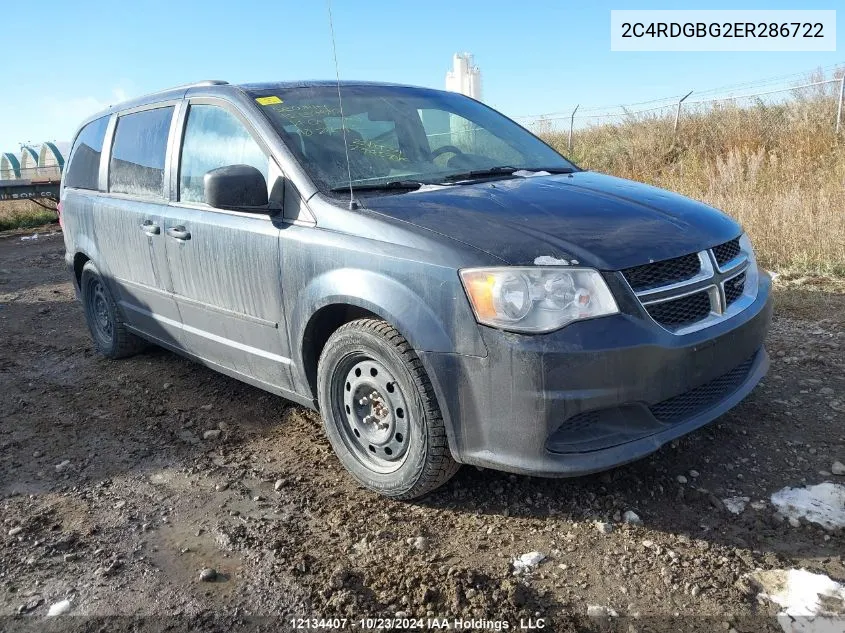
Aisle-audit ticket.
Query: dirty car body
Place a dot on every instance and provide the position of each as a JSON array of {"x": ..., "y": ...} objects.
[{"x": 567, "y": 321}]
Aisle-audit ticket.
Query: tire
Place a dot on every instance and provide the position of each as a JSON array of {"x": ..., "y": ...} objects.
[
  {"x": 391, "y": 438},
  {"x": 105, "y": 322}
]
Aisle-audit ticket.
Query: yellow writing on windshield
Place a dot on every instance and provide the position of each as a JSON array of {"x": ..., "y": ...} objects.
[
  {"x": 317, "y": 119},
  {"x": 370, "y": 148}
]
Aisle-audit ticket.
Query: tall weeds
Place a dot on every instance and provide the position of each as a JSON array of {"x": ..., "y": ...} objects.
[{"x": 21, "y": 214}]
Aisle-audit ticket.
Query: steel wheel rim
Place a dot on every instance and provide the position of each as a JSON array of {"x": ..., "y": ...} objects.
[
  {"x": 371, "y": 413},
  {"x": 98, "y": 307}
]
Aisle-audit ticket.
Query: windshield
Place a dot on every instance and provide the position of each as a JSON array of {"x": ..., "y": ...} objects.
[{"x": 399, "y": 134}]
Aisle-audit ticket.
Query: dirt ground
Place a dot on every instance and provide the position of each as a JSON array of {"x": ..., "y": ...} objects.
[{"x": 121, "y": 502}]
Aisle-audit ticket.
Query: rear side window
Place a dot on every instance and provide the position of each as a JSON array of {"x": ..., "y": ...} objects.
[
  {"x": 137, "y": 157},
  {"x": 214, "y": 138},
  {"x": 83, "y": 171}
]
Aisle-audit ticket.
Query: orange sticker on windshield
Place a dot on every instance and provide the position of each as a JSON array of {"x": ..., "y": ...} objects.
[{"x": 268, "y": 100}]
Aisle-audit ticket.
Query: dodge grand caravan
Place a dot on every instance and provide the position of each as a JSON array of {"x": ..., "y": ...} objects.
[{"x": 439, "y": 283}]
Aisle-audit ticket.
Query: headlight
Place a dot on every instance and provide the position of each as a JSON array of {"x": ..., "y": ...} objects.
[
  {"x": 752, "y": 274},
  {"x": 534, "y": 299}
]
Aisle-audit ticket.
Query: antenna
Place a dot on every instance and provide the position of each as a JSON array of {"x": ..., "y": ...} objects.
[{"x": 353, "y": 204}]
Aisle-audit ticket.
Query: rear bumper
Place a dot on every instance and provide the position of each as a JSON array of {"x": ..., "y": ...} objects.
[{"x": 596, "y": 394}]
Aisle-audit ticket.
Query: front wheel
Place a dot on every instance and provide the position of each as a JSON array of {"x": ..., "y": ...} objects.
[{"x": 380, "y": 412}]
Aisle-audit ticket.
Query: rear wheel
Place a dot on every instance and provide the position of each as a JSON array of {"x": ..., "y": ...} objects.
[
  {"x": 380, "y": 412},
  {"x": 111, "y": 338}
]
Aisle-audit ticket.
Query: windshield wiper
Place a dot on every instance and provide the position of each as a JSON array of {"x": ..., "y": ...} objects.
[
  {"x": 406, "y": 185},
  {"x": 503, "y": 170}
]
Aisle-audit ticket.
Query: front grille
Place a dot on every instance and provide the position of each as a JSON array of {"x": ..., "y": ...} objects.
[
  {"x": 676, "y": 313},
  {"x": 693, "y": 291},
  {"x": 701, "y": 398},
  {"x": 734, "y": 288},
  {"x": 663, "y": 273},
  {"x": 726, "y": 252}
]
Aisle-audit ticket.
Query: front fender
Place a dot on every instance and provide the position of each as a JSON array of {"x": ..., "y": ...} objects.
[
  {"x": 392, "y": 301},
  {"x": 406, "y": 310}
]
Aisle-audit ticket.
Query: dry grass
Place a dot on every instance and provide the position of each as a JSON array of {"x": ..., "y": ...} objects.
[
  {"x": 778, "y": 169},
  {"x": 22, "y": 214}
]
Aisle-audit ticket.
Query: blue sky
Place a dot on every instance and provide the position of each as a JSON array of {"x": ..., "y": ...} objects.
[{"x": 66, "y": 60}]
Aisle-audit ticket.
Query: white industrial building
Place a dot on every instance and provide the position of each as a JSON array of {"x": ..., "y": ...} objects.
[
  {"x": 452, "y": 129},
  {"x": 51, "y": 160},
  {"x": 465, "y": 77}
]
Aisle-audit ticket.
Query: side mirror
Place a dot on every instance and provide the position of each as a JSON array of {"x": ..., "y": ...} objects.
[{"x": 236, "y": 187}]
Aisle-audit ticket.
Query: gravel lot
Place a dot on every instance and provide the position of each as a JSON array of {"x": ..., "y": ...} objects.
[{"x": 121, "y": 481}]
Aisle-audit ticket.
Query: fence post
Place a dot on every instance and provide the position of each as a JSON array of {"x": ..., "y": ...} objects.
[
  {"x": 839, "y": 110},
  {"x": 678, "y": 113},
  {"x": 572, "y": 123}
]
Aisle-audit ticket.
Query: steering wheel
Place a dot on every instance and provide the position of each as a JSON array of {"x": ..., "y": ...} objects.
[{"x": 443, "y": 149}]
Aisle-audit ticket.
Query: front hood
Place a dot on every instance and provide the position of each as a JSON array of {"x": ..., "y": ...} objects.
[{"x": 600, "y": 221}]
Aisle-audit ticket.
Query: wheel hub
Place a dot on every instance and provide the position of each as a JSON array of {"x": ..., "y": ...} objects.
[
  {"x": 379, "y": 410},
  {"x": 377, "y": 426}
]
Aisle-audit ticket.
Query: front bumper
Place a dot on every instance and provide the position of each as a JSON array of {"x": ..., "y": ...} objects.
[{"x": 595, "y": 394}]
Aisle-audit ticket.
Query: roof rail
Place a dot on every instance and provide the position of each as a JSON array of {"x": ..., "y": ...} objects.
[
  {"x": 145, "y": 98},
  {"x": 205, "y": 82}
]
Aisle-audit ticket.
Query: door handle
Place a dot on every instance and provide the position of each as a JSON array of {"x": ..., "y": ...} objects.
[
  {"x": 179, "y": 233},
  {"x": 150, "y": 228}
]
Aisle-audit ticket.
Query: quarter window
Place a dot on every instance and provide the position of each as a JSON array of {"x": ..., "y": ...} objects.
[
  {"x": 214, "y": 138},
  {"x": 137, "y": 159},
  {"x": 83, "y": 171}
]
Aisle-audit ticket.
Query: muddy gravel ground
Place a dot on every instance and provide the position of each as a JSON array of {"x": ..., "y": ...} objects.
[{"x": 114, "y": 496}]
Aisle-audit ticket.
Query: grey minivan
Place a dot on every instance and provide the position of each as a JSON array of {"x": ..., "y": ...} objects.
[{"x": 438, "y": 282}]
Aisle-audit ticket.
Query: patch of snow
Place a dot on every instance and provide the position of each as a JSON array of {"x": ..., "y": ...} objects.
[
  {"x": 59, "y": 608},
  {"x": 632, "y": 517},
  {"x": 430, "y": 187},
  {"x": 548, "y": 260},
  {"x": 600, "y": 611},
  {"x": 735, "y": 505},
  {"x": 528, "y": 561},
  {"x": 811, "y": 603},
  {"x": 823, "y": 504},
  {"x": 531, "y": 174},
  {"x": 27, "y": 238}
]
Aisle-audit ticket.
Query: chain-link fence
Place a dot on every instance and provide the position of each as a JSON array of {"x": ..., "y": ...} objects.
[{"x": 820, "y": 97}]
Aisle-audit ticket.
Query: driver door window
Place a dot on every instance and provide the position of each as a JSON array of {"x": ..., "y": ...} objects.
[{"x": 214, "y": 138}]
